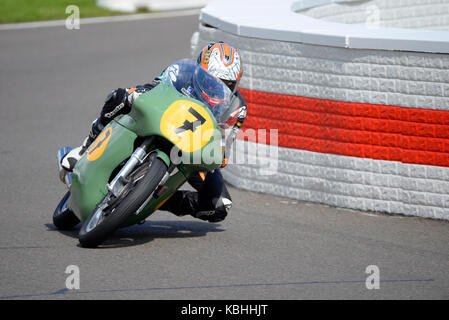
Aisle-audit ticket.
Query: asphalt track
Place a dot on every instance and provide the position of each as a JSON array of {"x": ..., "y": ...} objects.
[{"x": 52, "y": 83}]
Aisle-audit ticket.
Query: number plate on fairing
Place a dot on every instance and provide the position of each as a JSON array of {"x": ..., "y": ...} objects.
[
  {"x": 187, "y": 124},
  {"x": 97, "y": 148}
]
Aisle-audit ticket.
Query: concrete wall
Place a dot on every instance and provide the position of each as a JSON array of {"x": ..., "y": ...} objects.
[
  {"x": 413, "y": 14},
  {"x": 358, "y": 128}
]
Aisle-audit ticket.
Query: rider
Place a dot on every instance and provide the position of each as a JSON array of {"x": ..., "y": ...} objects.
[{"x": 212, "y": 200}]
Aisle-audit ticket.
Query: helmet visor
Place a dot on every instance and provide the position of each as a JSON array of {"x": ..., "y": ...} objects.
[{"x": 214, "y": 93}]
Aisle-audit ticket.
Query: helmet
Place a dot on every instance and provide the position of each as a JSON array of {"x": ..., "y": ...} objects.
[{"x": 222, "y": 61}]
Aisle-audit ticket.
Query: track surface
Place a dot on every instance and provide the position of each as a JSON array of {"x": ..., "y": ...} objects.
[{"x": 52, "y": 83}]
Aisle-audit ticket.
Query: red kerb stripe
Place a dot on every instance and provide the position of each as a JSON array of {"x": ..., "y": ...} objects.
[{"x": 409, "y": 135}]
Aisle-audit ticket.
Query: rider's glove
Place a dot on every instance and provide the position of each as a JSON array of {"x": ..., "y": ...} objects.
[{"x": 228, "y": 144}]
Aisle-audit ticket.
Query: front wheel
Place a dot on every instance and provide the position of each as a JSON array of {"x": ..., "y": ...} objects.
[{"x": 107, "y": 218}]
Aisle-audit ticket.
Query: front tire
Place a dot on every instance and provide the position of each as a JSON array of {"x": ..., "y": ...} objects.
[
  {"x": 101, "y": 224},
  {"x": 63, "y": 217}
]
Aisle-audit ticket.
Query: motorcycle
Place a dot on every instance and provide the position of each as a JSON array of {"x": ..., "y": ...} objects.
[{"x": 140, "y": 159}]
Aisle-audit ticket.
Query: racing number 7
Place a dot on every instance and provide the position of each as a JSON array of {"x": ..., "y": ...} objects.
[{"x": 191, "y": 125}]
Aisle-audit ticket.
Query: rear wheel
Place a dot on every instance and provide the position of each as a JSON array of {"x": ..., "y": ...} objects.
[
  {"x": 112, "y": 212},
  {"x": 63, "y": 217}
]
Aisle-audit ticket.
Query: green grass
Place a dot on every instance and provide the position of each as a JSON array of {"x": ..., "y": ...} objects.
[{"x": 12, "y": 11}]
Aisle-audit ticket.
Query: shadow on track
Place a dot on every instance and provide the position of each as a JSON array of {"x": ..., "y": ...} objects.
[{"x": 141, "y": 234}]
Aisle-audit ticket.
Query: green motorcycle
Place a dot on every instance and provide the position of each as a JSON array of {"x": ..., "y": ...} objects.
[{"x": 140, "y": 159}]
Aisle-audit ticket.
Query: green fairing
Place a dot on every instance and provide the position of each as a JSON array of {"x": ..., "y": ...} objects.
[
  {"x": 145, "y": 117},
  {"x": 89, "y": 178}
]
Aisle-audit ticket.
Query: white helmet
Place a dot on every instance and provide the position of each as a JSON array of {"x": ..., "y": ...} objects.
[{"x": 222, "y": 61}]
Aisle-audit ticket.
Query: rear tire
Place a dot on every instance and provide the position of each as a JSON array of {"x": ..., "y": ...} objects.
[
  {"x": 90, "y": 237},
  {"x": 63, "y": 217}
]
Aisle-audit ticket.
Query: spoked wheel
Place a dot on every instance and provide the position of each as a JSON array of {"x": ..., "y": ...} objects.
[
  {"x": 63, "y": 217},
  {"x": 112, "y": 212}
]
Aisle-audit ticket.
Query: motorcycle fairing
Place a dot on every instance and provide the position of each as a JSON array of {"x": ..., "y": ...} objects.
[{"x": 92, "y": 172}]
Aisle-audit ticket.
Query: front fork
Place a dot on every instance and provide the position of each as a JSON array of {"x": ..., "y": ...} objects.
[{"x": 117, "y": 184}]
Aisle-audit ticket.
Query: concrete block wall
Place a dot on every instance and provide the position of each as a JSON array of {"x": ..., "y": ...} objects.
[
  {"x": 348, "y": 182},
  {"x": 357, "y": 128},
  {"x": 412, "y": 14}
]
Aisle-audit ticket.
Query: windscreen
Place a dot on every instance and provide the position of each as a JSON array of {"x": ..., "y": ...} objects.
[{"x": 193, "y": 81}]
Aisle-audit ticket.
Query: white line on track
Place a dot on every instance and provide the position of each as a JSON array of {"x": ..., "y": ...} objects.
[{"x": 133, "y": 17}]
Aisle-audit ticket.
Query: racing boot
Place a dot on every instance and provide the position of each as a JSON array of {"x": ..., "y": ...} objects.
[
  {"x": 69, "y": 161},
  {"x": 184, "y": 202},
  {"x": 221, "y": 207}
]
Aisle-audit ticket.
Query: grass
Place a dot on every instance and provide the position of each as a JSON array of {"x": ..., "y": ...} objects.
[{"x": 12, "y": 11}]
